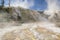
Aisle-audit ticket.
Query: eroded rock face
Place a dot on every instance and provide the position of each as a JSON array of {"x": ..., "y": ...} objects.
[{"x": 38, "y": 33}]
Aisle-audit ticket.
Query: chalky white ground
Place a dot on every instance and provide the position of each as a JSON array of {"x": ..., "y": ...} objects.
[{"x": 31, "y": 26}]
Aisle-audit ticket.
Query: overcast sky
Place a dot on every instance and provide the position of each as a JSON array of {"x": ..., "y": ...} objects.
[{"x": 30, "y": 4}]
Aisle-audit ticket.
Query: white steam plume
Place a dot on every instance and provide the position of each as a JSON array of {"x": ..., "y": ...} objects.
[
  {"x": 23, "y": 3},
  {"x": 53, "y": 6}
]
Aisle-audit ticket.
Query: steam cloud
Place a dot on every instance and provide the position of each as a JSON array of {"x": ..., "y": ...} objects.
[
  {"x": 53, "y": 5},
  {"x": 23, "y": 3}
]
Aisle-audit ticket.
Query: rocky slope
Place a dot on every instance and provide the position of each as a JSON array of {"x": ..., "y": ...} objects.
[{"x": 25, "y": 24}]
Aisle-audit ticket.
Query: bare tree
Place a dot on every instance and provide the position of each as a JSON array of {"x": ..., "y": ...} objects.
[
  {"x": 2, "y": 3},
  {"x": 9, "y": 2},
  {"x": 9, "y": 6}
]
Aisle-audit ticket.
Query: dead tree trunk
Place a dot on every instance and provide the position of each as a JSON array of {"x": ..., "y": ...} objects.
[
  {"x": 9, "y": 2},
  {"x": 2, "y": 3}
]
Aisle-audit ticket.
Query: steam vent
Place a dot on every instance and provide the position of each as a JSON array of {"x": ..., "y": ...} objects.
[{"x": 19, "y": 22}]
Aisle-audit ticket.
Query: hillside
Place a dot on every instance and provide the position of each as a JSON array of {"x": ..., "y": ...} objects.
[
  {"x": 21, "y": 14},
  {"x": 16, "y": 22}
]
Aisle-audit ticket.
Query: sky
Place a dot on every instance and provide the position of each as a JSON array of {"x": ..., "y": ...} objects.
[
  {"x": 32, "y": 4},
  {"x": 40, "y": 5}
]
